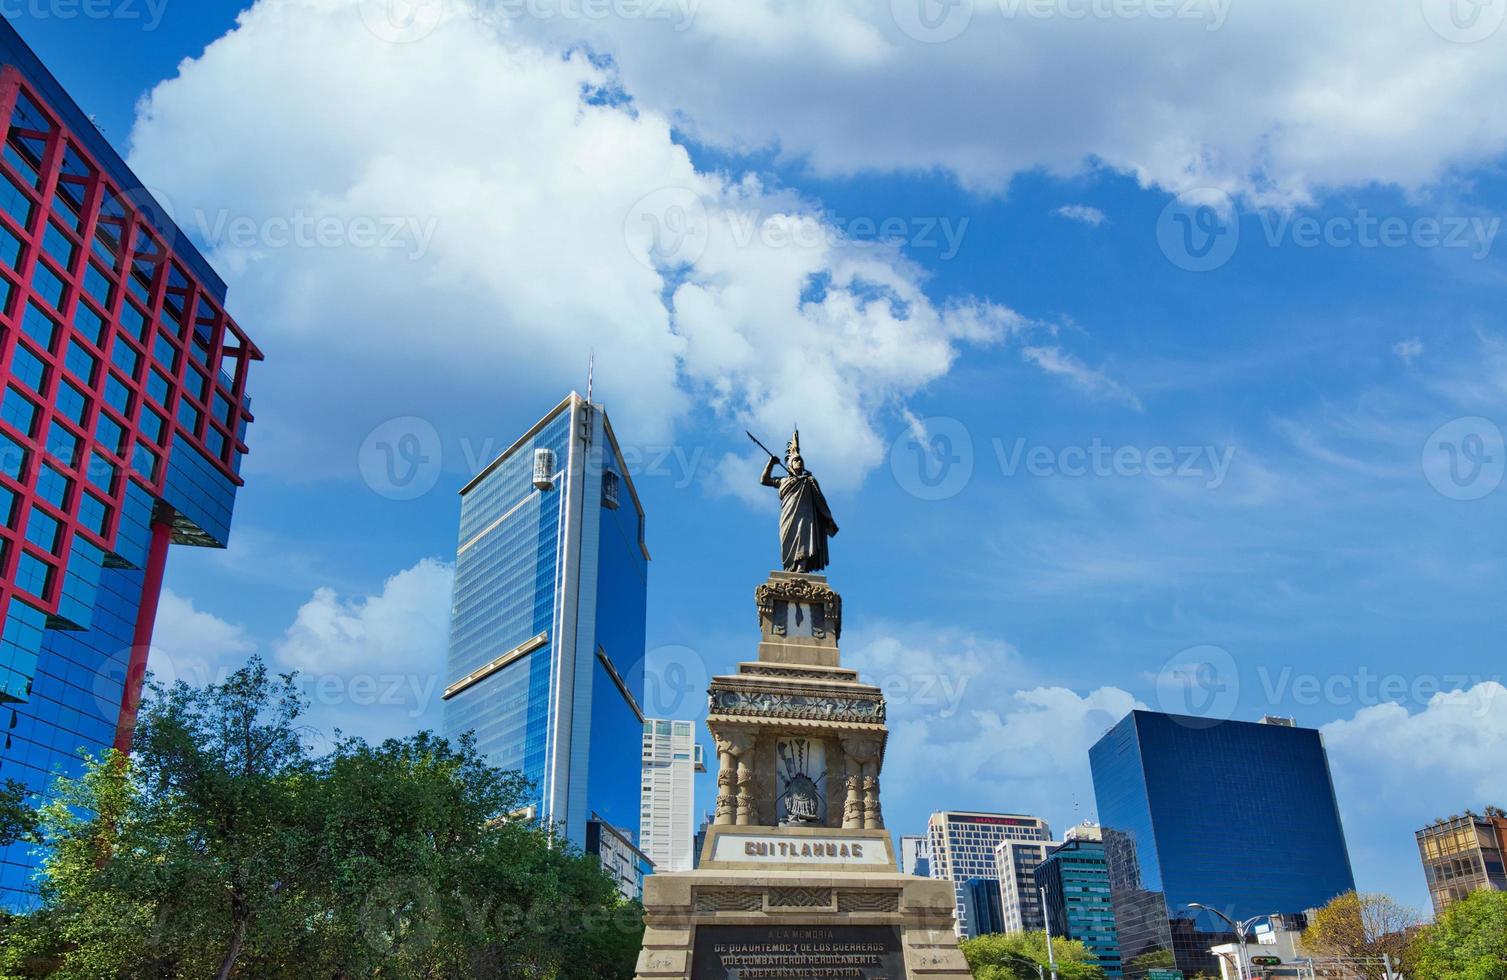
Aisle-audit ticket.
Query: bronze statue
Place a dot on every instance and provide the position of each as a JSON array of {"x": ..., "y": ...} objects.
[{"x": 805, "y": 520}]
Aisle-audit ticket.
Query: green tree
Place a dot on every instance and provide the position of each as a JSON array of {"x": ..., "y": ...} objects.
[
  {"x": 1469, "y": 942},
  {"x": 18, "y": 821},
  {"x": 1361, "y": 926},
  {"x": 226, "y": 847},
  {"x": 1015, "y": 956}
]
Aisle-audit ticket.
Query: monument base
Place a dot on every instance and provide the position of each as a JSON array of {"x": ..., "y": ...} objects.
[{"x": 786, "y": 903}]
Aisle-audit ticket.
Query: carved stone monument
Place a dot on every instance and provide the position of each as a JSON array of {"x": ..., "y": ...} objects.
[{"x": 798, "y": 878}]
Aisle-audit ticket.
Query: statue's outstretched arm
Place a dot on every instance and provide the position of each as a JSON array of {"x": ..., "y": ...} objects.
[{"x": 768, "y": 479}]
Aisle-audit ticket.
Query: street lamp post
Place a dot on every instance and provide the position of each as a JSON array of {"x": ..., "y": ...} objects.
[{"x": 1242, "y": 964}]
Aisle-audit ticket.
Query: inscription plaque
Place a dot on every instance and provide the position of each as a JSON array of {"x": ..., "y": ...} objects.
[{"x": 797, "y": 953}]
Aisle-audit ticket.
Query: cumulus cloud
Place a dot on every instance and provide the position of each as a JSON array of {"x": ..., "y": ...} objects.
[
  {"x": 193, "y": 645},
  {"x": 374, "y": 665},
  {"x": 1451, "y": 753},
  {"x": 1008, "y": 743},
  {"x": 494, "y": 204},
  {"x": 1273, "y": 100},
  {"x": 1082, "y": 212}
]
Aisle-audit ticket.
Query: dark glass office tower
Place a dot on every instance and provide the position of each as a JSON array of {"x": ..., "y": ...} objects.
[
  {"x": 547, "y": 623},
  {"x": 1237, "y": 816}
]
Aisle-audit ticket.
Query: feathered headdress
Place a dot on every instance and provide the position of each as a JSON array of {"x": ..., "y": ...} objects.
[{"x": 793, "y": 448}]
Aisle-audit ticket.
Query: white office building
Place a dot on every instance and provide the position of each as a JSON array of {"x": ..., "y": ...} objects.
[
  {"x": 963, "y": 849},
  {"x": 1015, "y": 864},
  {"x": 667, "y": 814}
]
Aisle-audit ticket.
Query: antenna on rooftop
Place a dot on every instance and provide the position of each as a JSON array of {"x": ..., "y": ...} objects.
[{"x": 591, "y": 371}]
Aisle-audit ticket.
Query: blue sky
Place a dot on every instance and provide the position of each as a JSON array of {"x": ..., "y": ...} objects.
[{"x": 1185, "y": 361}]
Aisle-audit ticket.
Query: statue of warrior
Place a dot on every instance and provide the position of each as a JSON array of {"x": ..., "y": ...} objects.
[{"x": 805, "y": 520}]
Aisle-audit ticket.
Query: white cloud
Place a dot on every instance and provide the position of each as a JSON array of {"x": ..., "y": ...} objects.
[
  {"x": 537, "y": 215},
  {"x": 1274, "y": 99},
  {"x": 965, "y": 724},
  {"x": 194, "y": 646},
  {"x": 1054, "y": 360},
  {"x": 1452, "y": 753},
  {"x": 374, "y": 665},
  {"x": 1082, "y": 212},
  {"x": 405, "y": 626}
]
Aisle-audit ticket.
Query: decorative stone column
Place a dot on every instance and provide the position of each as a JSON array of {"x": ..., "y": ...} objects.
[
  {"x": 873, "y": 819},
  {"x": 860, "y": 800},
  {"x": 734, "y": 778}
]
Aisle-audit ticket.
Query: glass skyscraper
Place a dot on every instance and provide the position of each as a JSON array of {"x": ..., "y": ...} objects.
[
  {"x": 123, "y": 416},
  {"x": 1234, "y": 815},
  {"x": 547, "y": 624},
  {"x": 1074, "y": 879}
]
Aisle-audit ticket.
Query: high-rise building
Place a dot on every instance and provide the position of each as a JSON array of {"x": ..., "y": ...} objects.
[
  {"x": 547, "y": 621},
  {"x": 619, "y": 857},
  {"x": 667, "y": 816},
  {"x": 123, "y": 415},
  {"x": 1075, "y": 880},
  {"x": 962, "y": 848},
  {"x": 1015, "y": 869},
  {"x": 915, "y": 855},
  {"x": 1237, "y": 816},
  {"x": 1463, "y": 854},
  {"x": 982, "y": 906}
]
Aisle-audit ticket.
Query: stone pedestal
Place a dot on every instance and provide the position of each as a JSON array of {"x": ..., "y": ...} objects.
[{"x": 798, "y": 877}]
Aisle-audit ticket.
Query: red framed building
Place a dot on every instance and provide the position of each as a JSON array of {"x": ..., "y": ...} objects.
[{"x": 123, "y": 418}]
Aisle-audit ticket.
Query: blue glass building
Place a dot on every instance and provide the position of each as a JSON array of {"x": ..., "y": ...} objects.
[
  {"x": 1238, "y": 816},
  {"x": 1074, "y": 880},
  {"x": 123, "y": 417},
  {"x": 547, "y": 624}
]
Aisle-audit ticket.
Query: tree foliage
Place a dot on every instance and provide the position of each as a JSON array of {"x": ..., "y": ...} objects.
[
  {"x": 1012, "y": 956},
  {"x": 1367, "y": 926},
  {"x": 1469, "y": 942},
  {"x": 18, "y": 821},
  {"x": 226, "y": 847}
]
